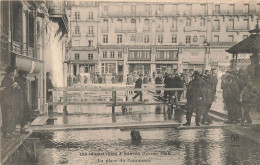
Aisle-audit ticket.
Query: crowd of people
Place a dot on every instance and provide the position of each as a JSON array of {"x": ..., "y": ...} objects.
[{"x": 240, "y": 96}]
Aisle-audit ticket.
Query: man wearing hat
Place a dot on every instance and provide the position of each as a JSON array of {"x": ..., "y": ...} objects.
[
  {"x": 9, "y": 88},
  {"x": 231, "y": 95},
  {"x": 248, "y": 97},
  {"x": 138, "y": 84},
  {"x": 23, "y": 107},
  {"x": 197, "y": 99}
]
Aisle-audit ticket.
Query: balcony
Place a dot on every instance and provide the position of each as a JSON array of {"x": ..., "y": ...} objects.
[
  {"x": 105, "y": 30},
  {"x": 90, "y": 35},
  {"x": 191, "y": 28},
  {"x": 57, "y": 13},
  {"x": 76, "y": 35},
  {"x": 237, "y": 29},
  {"x": 160, "y": 30},
  {"x": 121, "y": 30},
  {"x": 173, "y": 30}
]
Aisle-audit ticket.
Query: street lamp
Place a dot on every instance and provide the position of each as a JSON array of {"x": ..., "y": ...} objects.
[{"x": 206, "y": 57}]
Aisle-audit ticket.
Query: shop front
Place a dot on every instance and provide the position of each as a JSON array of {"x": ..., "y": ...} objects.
[{"x": 140, "y": 68}]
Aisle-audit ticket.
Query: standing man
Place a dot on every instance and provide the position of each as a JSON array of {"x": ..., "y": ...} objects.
[
  {"x": 23, "y": 107},
  {"x": 249, "y": 99},
  {"x": 48, "y": 85},
  {"x": 196, "y": 99},
  {"x": 231, "y": 98},
  {"x": 8, "y": 92},
  {"x": 138, "y": 84}
]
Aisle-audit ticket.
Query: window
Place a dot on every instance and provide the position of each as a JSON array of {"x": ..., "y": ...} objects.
[
  {"x": 188, "y": 38},
  {"x": 203, "y": 8},
  {"x": 119, "y": 39},
  {"x": 216, "y": 38},
  {"x": 188, "y": 22},
  {"x": 90, "y": 16},
  {"x": 139, "y": 54},
  {"x": 195, "y": 39},
  {"x": 76, "y": 56},
  {"x": 245, "y": 24},
  {"x": 146, "y": 39},
  {"x": 119, "y": 54},
  {"x": 105, "y": 38},
  {"x": 231, "y": 8},
  {"x": 131, "y": 54},
  {"x": 174, "y": 24},
  {"x": 217, "y": 9},
  {"x": 90, "y": 30},
  {"x": 133, "y": 38},
  {"x": 246, "y": 8},
  {"x": 147, "y": 8},
  {"x": 231, "y": 24},
  {"x": 133, "y": 9},
  {"x": 146, "y": 24},
  {"x": 90, "y": 56},
  {"x": 112, "y": 54},
  {"x": 90, "y": 43},
  {"x": 189, "y": 9},
  {"x": 105, "y": 54},
  {"x": 258, "y": 7},
  {"x": 77, "y": 16},
  {"x": 202, "y": 22},
  {"x": 105, "y": 8},
  {"x": 245, "y": 36},
  {"x": 231, "y": 38},
  {"x": 174, "y": 38},
  {"x": 160, "y": 7},
  {"x": 160, "y": 38},
  {"x": 147, "y": 55},
  {"x": 166, "y": 55},
  {"x": 216, "y": 25},
  {"x": 77, "y": 30}
]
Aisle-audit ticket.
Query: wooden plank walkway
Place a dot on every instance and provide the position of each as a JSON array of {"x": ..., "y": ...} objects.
[
  {"x": 10, "y": 146},
  {"x": 39, "y": 121},
  {"x": 142, "y": 125}
]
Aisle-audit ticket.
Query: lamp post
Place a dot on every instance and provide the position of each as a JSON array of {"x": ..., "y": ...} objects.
[{"x": 206, "y": 57}]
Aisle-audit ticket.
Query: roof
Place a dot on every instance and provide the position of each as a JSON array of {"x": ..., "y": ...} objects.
[{"x": 248, "y": 45}]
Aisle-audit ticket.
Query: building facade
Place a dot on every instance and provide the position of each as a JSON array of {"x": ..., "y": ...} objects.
[
  {"x": 146, "y": 37},
  {"x": 28, "y": 31}
]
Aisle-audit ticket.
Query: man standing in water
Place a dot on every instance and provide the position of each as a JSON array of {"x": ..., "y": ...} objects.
[{"x": 138, "y": 84}]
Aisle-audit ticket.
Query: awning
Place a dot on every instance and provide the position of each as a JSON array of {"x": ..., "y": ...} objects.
[{"x": 28, "y": 64}]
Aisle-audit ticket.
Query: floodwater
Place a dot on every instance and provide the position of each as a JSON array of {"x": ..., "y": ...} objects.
[{"x": 159, "y": 146}]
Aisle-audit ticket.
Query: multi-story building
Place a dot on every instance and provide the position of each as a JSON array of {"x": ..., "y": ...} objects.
[
  {"x": 32, "y": 37},
  {"x": 144, "y": 37}
]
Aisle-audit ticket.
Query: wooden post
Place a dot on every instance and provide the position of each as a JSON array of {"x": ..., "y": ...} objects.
[
  {"x": 176, "y": 98},
  {"x": 114, "y": 101}
]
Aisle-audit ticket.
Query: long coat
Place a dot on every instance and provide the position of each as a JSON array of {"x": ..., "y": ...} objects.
[
  {"x": 8, "y": 105},
  {"x": 22, "y": 104}
]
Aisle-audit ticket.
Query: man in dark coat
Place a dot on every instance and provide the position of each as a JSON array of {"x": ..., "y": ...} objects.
[
  {"x": 178, "y": 84},
  {"x": 8, "y": 92},
  {"x": 48, "y": 85},
  {"x": 231, "y": 95},
  {"x": 248, "y": 97},
  {"x": 138, "y": 84},
  {"x": 158, "y": 80},
  {"x": 197, "y": 99},
  {"x": 23, "y": 107}
]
